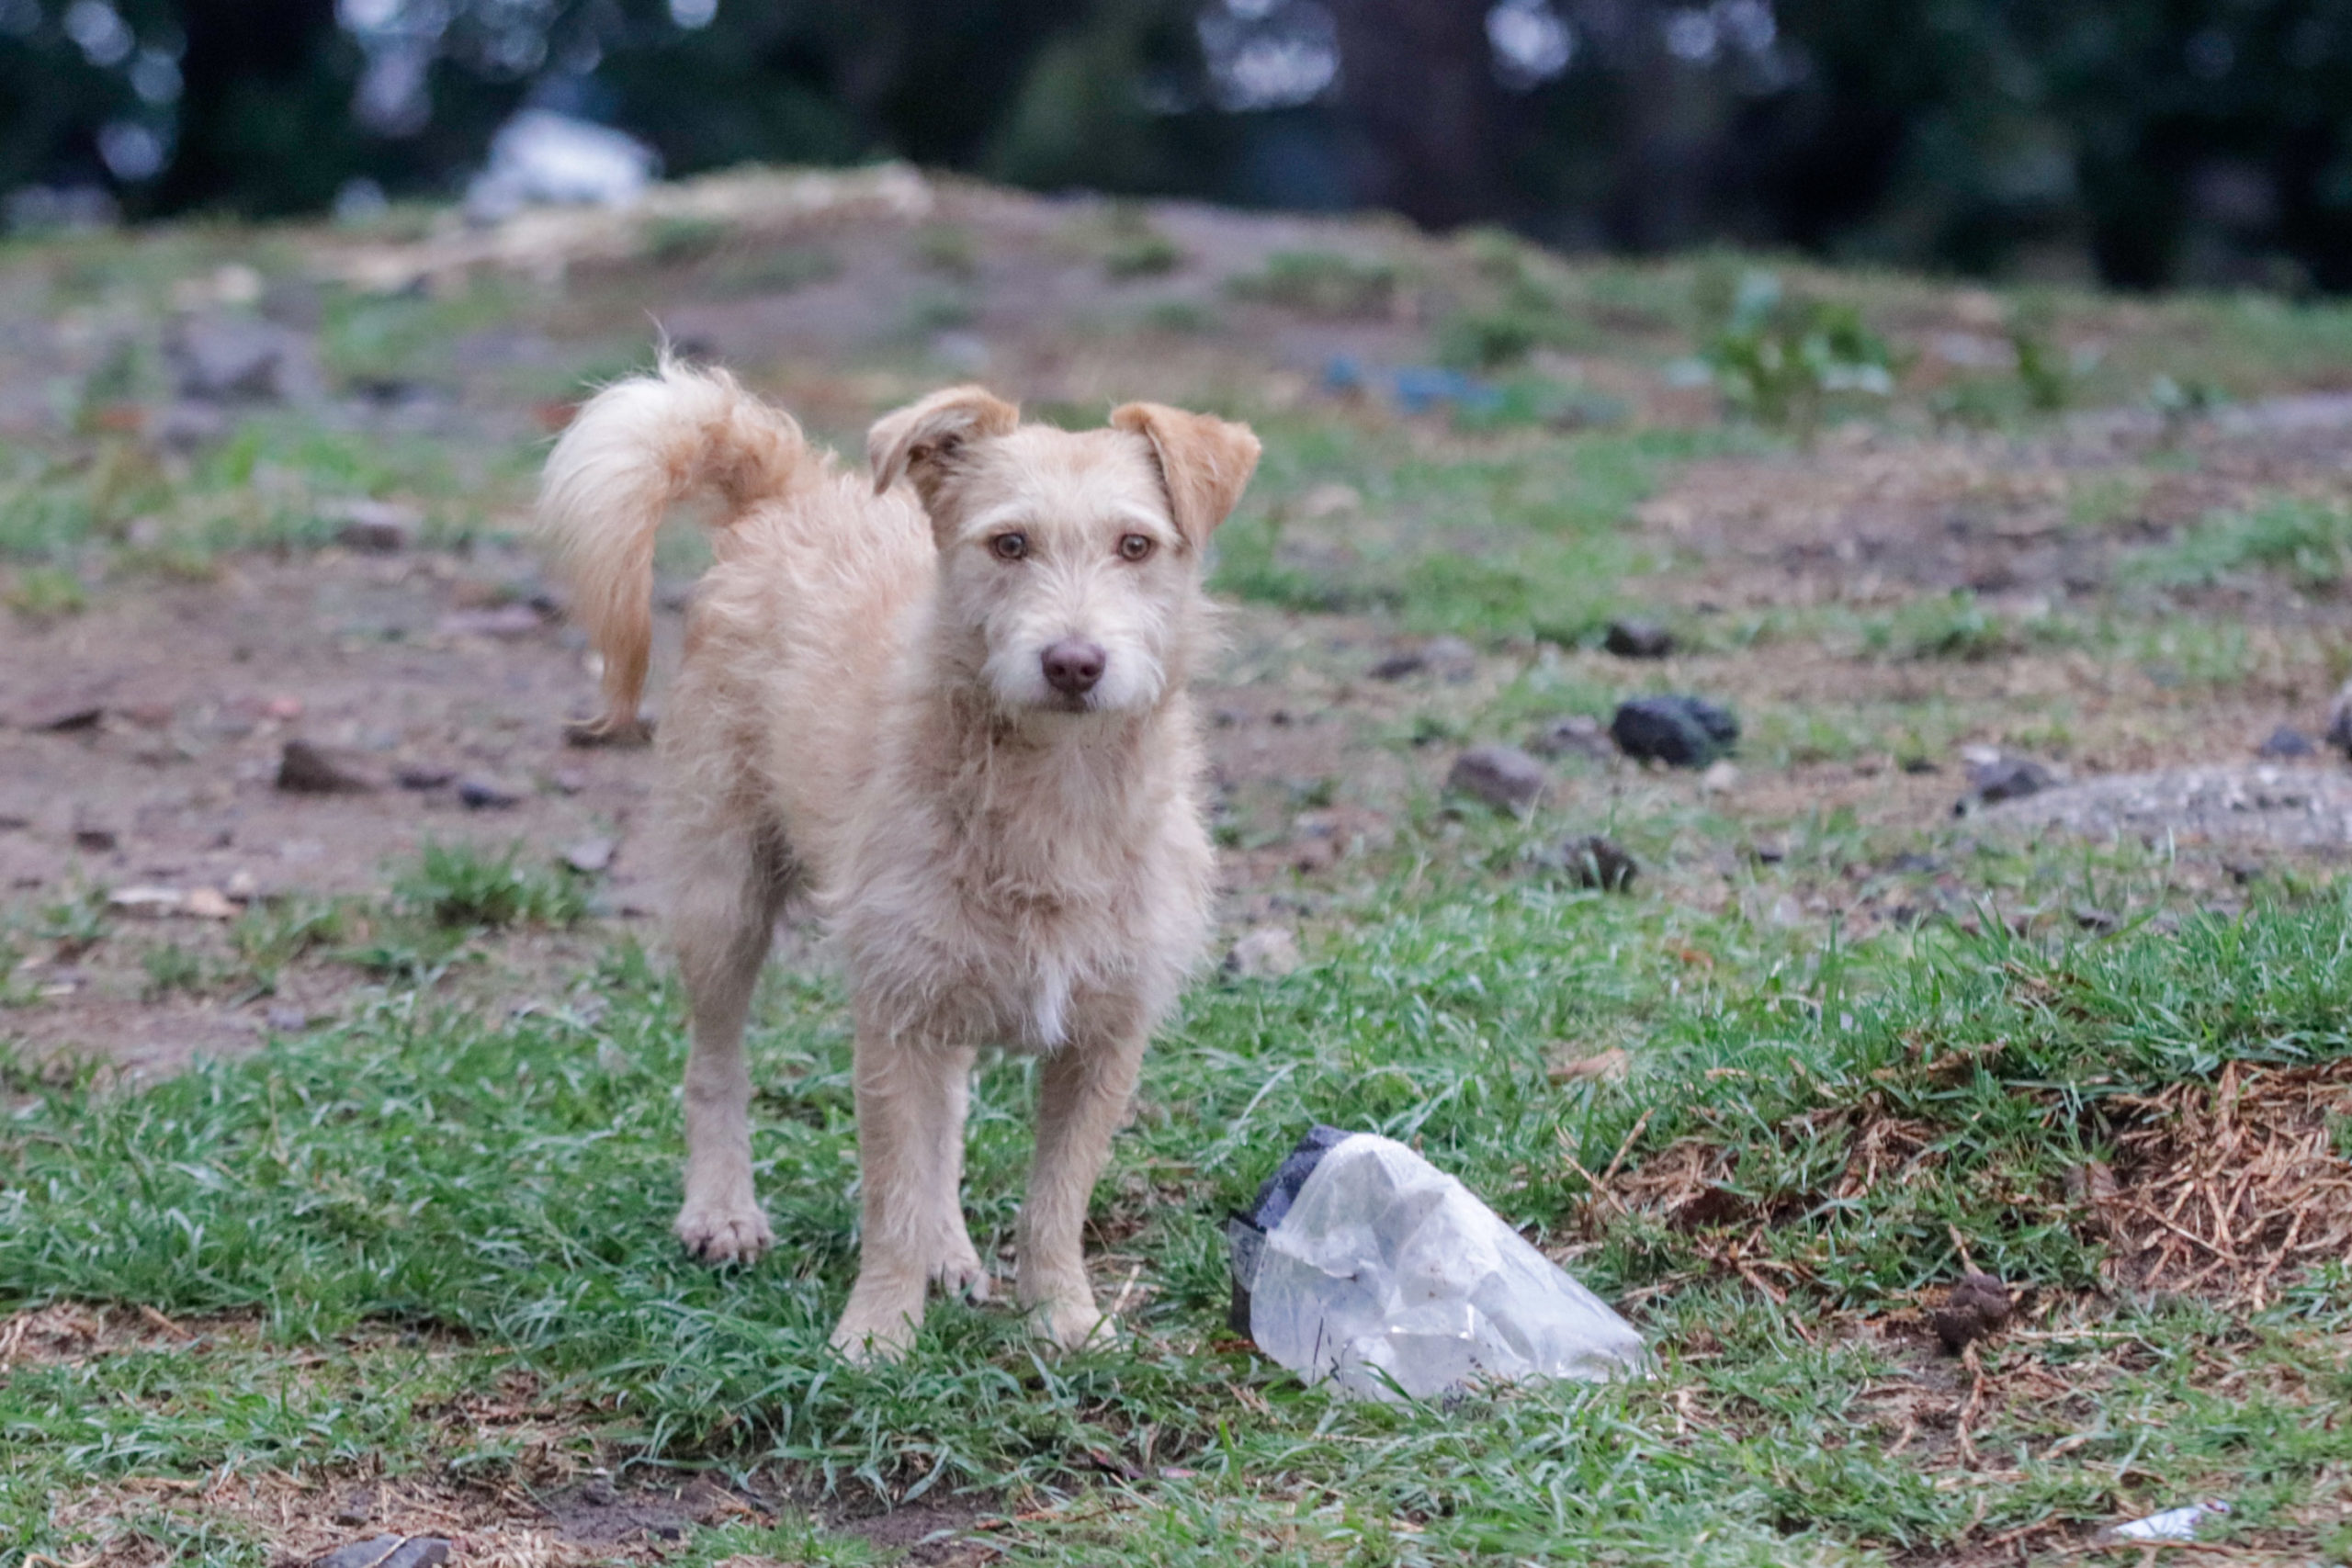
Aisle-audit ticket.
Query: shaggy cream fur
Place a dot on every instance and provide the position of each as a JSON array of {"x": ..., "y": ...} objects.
[{"x": 951, "y": 704}]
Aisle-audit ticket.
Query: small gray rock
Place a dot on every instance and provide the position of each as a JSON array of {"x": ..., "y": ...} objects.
[
  {"x": 1399, "y": 665},
  {"x": 1575, "y": 735},
  {"x": 238, "y": 359},
  {"x": 476, "y": 793},
  {"x": 288, "y": 1021},
  {"x": 388, "y": 1551},
  {"x": 589, "y": 856},
  {"x": 1450, "y": 658},
  {"x": 1638, "y": 640},
  {"x": 2008, "y": 778},
  {"x": 382, "y": 526},
  {"x": 425, "y": 776},
  {"x": 2286, "y": 742},
  {"x": 305, "y": 769},
  {"x": 1502, "y": 777}
]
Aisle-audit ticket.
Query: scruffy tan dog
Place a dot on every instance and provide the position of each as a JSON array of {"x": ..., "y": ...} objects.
[{"x": 951, "y": 704}]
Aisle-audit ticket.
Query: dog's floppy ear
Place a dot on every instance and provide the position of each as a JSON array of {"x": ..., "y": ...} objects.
[
  {"x": 920, "y": 441},
  {"x": 1204, "y": 461}
]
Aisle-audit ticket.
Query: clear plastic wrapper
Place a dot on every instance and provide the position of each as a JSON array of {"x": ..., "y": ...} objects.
[{"x": 1365, "y": 1265}]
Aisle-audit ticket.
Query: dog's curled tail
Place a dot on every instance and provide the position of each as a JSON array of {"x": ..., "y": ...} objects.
[{"x": 633, "y": 451}]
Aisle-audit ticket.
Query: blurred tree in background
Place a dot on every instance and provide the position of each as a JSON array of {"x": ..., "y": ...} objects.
[{"x": 2150, "y": 141}]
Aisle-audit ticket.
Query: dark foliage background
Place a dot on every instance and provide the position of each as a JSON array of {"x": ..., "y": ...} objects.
[{"x": 2149, "y": 142}]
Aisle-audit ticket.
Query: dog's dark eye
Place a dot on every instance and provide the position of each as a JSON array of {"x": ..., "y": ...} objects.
[
  {"x": 1135, "y": 546},
  {"x": 1010, "y": 546}
]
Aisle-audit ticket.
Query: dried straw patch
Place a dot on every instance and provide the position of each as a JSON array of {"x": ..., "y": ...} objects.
[{"x": 2222, "y": 1189}]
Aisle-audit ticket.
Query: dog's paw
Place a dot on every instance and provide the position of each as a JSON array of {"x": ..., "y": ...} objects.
[
  {"x": 879, "y": 1322},
  {"x": 961, "y": 1274},
  {"x": 1071, "y": 1322},
  {"x": 723, "y": 1233}
]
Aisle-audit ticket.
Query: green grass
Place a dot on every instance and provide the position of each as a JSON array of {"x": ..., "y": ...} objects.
[
  {"x": 2308, "y": 542},
  {"x": 503, "y": 1186},
  {"x": 1526, "y": 535}
]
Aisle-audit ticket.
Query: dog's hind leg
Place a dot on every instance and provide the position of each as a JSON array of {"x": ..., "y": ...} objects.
[
  {"x": 911, "y": 1100},
  {"x": 729, "y": 889},
  {"x": 1083, "y": 1093}
]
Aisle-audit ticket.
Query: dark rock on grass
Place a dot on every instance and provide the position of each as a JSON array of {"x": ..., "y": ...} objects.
[
  {"x": 2007, "y": 778},
  {"x": 1594, "y": 861},
  {"x": 1638, "y": 640},
  {"x": 388, "y": 1551},
  {"x": 476, "y": 793},
  {"x": 1977, "y": 1306},
  {"x": 1503, "y": 776},
  {"x": 1575, "y": 735},
  {"x": 305, "y": 769},
  {"x": 2286, "y": 742},
  {"x": 1681, "y": 731}
]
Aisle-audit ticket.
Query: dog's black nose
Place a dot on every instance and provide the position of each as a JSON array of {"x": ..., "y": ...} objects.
[{"x": 1072, "y": 667}]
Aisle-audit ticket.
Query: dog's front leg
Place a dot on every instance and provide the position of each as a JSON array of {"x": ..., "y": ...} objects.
[
  {"x": 911, "y": 1100},
  {"x": 1083, "y": 1093}
]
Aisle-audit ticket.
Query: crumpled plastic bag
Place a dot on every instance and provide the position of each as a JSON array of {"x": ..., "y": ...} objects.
[{"x": 1365, "y": 1265}]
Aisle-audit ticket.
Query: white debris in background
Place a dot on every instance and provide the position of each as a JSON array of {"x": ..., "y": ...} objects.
[
  {"x": 540, "y": 158},
  {"x": 2173, "y": 1523},
  {"x": 545, "y": 241}
]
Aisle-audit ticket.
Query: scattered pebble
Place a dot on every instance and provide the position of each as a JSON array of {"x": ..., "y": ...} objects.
[
  {"x": 1594, "y": 861},
  {"x": 1977, "y": 1305},
  {"x": 424, "y": 775},
  {"x": 479, "y": 793},
  {"x": 1573, "y": 735},
  {"x": 1638, "y": 640},
  {"x": 239, "y": 359},
  {"x": 388, "y": 1551},
  {"x": 207, "y": 904},
  {"x": 287, "y": 1021},
  {"x": 570, "y": 781},
  {"x": 1503, "y": 776},
  {"x": 1719, "y": 778},
  {"x": 1264, "y": 953},
  {"x": 2007, "y": 778},
  {"x": 1448, "y": 658},
  {"x": 383, "y": 527},
  {"x": 1681, "y": 731},
  {"x": 2286, "y": 742},
  {"x": 589, "y": 856},
  {"x": 305, "y": 769}
]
